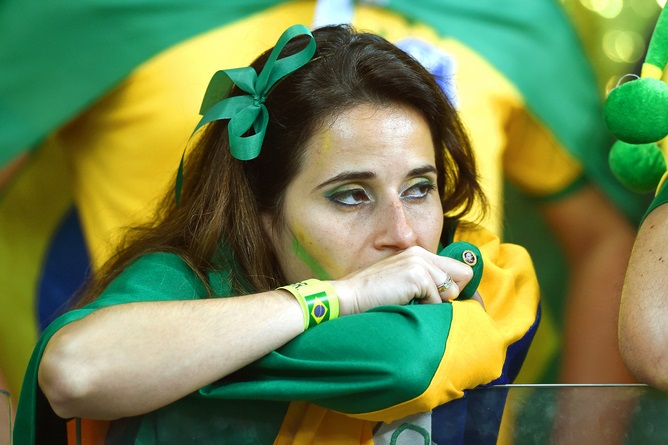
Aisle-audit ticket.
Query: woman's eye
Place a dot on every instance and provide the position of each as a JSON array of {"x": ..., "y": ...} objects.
[
  {"x": 350, "y": 197},
  {"x": 418, "y": 190}
]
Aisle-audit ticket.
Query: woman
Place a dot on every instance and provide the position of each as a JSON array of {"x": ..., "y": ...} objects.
[{"x": 316, "y": 197}]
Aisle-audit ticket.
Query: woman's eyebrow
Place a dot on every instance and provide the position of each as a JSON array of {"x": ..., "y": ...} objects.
[
  {"x": 362, "y": 175},
  {"x": 422, "y": 171},
  {"x": 347, "y": 176}
]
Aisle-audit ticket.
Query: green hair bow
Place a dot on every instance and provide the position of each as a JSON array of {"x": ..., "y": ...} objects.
[{"x": 248, "y": 111}]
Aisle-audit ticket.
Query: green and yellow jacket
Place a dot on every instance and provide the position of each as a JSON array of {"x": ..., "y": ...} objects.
[
  {"x": 108, "y": 92},
  {"x": 352, "y": 380}
]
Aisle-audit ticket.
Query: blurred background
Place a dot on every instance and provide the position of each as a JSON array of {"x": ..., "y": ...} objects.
[
  {"x": 614, "y": 33},
  {"x": 44, "y": 254}
]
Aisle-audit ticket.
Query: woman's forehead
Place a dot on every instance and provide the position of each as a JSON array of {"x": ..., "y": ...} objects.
[{"x": 370, "y": 136}]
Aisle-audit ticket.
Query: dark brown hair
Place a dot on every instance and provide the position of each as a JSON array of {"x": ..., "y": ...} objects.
[{"x": 223, "y": 198}]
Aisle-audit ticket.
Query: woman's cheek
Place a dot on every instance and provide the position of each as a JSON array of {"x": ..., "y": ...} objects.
[{"x": 318, "y": 254}]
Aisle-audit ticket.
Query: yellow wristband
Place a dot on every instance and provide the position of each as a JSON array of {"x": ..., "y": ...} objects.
[{"x": 318, "y": 300}]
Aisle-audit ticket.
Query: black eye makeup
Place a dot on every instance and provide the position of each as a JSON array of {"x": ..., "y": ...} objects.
[
  {"x": 357, "y": 189},
  {"x": 418, "y": 189},
  {"x": 349, "y": 196}
]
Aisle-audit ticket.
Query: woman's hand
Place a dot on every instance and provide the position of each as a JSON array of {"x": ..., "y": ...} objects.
[{"x": 413, "y": 273}]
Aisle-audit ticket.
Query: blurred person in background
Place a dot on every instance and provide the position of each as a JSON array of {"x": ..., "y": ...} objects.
[{"x": 642, "y": 328}]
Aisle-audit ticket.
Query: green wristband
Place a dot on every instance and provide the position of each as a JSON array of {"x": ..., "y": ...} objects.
[{"x": 317, "y": 299}]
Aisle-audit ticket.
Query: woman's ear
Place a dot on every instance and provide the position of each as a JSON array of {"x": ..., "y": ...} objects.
[
  {"x": 268, "y": 226},
  {"x": 273, "y": 229}
]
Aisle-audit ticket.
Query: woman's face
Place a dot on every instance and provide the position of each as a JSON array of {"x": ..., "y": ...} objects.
[{"x": 367, "y": 190}]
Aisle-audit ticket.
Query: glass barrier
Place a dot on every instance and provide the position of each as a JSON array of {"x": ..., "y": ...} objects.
[
  {"x": 6, "y": 415},
  {"x": 539, "y": 415},
  {"x": 578, "y": 414},
  {"x": 520, "y": 414}
]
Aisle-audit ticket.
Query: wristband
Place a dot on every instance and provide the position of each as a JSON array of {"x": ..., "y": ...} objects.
[{"x": 317, "y": 299}]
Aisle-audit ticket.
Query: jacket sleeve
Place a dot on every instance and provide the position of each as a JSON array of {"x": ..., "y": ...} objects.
[
  {"x": 157, "y": 276},
  {"x": 397, "y": 360}
]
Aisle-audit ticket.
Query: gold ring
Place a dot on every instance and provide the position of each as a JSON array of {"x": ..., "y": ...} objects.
[{"x": 446, "y": 284}]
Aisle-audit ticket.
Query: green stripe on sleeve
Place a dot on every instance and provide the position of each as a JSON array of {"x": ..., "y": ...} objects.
[{"x": 403, "y": 347}]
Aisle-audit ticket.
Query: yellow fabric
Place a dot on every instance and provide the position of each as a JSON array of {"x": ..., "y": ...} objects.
[
  {"x": 510, "y": 291},
  {"x": 471, "y": 354},
  {"x": 651, "y": 71},
  {"x": 509, "y": 286},
  {"x": 28, "y": 216},
  {"x": 534, "y": 160},
  {"x": 125, "y": 149},
  {"x": 661, "y": 181},
  {"x": 502, "y": 130},
  {"x": 305, "y": 423}
]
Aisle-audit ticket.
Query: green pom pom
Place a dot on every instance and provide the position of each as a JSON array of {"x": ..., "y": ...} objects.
[
  {"x": 637, "y": 111},
  {"x": 469, "y": 254},
  {"x": 637, "y": 167}
]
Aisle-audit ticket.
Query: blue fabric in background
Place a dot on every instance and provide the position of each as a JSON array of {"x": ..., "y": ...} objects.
[{"x": 66, "y": 266}]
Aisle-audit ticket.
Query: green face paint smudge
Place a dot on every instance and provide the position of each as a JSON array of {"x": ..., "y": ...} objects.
[{"x": 318, "y": 271}]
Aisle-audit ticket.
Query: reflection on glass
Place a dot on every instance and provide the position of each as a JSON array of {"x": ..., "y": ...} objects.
[
  {"x": 583, "y": 414},
  {"x": 5, "y": 418}
]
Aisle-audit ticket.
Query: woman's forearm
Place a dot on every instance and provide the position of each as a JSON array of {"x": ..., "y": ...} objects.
[
  {"x": 643, "y": 333},
  {"x": 129, "y": 359}
]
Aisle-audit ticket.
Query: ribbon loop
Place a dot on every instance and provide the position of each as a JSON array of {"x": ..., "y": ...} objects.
[
  {"x": 248, "y": 147},
  {"x": 275, "y": 69},
  {"x": 257, "y": 86},
  {"x": 246, "y": 112}
]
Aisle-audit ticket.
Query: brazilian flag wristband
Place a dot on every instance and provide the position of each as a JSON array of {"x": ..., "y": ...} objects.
[{"x": 317, "y": 299}]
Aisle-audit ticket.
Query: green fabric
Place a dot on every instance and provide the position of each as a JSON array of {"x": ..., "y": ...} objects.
[
  {"x": 194, "y": 420},
  {"x": 660, "y": 199},
  {"x": 657, "y": 51},
  {"x": 170, "y": 278},
  {"x": 330, "y": 366},
  {"x": 62, "y": 56},
  {"x": 248, "y": 111},
  {"x": 58, "y": 57},
  {"x": 326, "y": 365},
  {"x": 456, "y": 251}
]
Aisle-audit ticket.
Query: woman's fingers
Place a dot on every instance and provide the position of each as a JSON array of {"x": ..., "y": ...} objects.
[
  {"x": 413, "y": 273},
  {"x": 461, "y": 273},
  {"x": 448, "y": 290},
  {"x": 450, "y": 276}
]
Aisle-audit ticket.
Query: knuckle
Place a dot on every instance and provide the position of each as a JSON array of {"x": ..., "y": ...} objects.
[{"x": 415, "y": 267}]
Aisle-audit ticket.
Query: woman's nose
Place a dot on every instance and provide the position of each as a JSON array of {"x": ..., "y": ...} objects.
[{"x": 395, "y": 229}]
